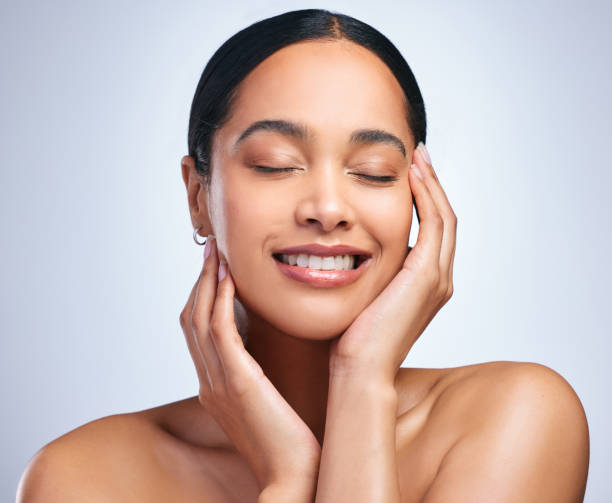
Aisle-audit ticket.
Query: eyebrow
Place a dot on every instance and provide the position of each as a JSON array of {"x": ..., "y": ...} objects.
[{"x": 301, "y": 132}]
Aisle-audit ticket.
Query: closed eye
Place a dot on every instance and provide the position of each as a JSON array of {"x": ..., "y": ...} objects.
[
  {"x": 266, "y": 169},
  {"x": 379, "y": 178}
]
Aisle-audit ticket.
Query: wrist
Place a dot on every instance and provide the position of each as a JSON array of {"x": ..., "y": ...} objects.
[
  {"x": 371, "y": 388},
  {"x": 298, "y": 490},
  {"x": 297, "y": 480},
  {"x": 300, "y": 471},
  {"x": 364, "y": 379}
]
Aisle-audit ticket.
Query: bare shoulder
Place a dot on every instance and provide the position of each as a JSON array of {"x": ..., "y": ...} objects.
[
  {"x": 114, "y": 458},
  {"x": 478, "y": 392},
  {"x": 523, "y": 435}
]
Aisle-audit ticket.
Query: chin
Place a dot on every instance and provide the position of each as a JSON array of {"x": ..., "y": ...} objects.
[
  {"x": 310, "y": 326},
  {"x": 318, "y": 315}
]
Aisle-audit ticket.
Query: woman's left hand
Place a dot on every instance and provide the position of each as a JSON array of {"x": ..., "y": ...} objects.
[{"x": 377, "y": 342}]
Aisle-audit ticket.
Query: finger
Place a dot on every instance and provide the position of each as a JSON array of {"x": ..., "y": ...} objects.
[
  {"x": 238, "y": 364},
  {"x": 429, "y": 239},
  {"x": 452, "y": 262},
  {"x": 185, "y": 321},
  {"x": 200, "y": 319},
  {"x": 447, "y": 249}
]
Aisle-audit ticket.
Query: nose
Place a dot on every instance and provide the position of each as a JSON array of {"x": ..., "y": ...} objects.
[{"x": 324, "y": 199}]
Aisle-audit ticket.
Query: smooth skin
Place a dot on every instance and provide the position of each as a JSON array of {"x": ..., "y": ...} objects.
[{"x": 316, "y": 407}]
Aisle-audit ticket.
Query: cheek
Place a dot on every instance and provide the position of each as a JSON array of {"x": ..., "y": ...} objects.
[
  {"x": 246, "y": 220},
  {"x": 388, "y": 218},
  {"x": 250, "y": 218}
]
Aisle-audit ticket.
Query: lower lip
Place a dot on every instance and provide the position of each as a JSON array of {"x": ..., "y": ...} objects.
[{"x": 322, "y": 279}]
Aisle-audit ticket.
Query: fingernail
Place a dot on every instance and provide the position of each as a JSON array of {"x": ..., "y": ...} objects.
[
  {"x": 222, "y": 270},
  {"x": 417, "y": 171},
  {"x": 423, "y": 148},
  {"x": 208, "y": 246}
]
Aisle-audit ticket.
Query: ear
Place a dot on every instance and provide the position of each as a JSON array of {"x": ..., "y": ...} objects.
[{"x": 197, "y": 196}]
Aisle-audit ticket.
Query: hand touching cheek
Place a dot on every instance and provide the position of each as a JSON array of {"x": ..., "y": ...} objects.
[{"x": 379, "y": 339}]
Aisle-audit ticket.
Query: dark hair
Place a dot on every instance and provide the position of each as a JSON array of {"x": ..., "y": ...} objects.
[{"x": 230, "y": 64}]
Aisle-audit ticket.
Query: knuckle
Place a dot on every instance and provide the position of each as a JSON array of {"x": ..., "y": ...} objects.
[
  {"x": 437, "y": 221},
  {"x": 441, "y": 295},
  {"x": 185, "y": 317},
  {"x": 421, "y": 268},
  {"x": 433, "y": 276},
  {"x": 451, "y": 290},
  {"x": 450, "y": 217},
  {"x": 216, "y": 327},
  {"x": 183, "y": 320},
  {"x": 238, "y": 386},
  {"x": 442, "y": 290},
  {"x": 198, "y": 323}
]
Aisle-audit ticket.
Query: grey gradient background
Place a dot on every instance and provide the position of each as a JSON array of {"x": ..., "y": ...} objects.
[{"x": 97, "y": 254}]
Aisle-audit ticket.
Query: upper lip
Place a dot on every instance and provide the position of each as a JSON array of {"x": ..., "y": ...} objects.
[{"x": 323, "y": 251}]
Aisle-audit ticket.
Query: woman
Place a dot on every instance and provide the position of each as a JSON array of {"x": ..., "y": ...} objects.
[{"x": 306, "y": 155}]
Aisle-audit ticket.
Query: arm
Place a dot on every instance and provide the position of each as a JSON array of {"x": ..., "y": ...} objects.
[
  {"x": 358, "y": 455},
  {"x": 526, "y": 440},
  {"x": 263, "y": 427}
]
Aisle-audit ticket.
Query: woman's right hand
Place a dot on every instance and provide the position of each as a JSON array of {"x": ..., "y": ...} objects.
[{"x": 264, "y": 428}]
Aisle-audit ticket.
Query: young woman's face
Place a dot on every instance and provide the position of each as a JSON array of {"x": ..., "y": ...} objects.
[{"x": 332, "y": 90}]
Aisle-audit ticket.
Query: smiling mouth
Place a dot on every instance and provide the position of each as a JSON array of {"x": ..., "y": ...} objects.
[{"x": 348, "y": 262}]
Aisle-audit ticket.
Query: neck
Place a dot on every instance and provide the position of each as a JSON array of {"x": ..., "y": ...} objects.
[{"x": 298, "y": 368}]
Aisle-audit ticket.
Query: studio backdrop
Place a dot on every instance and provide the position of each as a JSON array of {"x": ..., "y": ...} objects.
[{"x": 97, "y": 256}]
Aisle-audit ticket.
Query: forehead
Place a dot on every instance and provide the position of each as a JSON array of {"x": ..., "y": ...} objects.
[{"x": 329, "y": 85}]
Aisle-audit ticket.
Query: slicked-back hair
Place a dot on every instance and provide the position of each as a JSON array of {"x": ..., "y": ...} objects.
[{"x": 241, "y": 53}]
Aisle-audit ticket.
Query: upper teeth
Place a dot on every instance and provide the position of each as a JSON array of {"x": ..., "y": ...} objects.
[{"x": 345, "y": 262}]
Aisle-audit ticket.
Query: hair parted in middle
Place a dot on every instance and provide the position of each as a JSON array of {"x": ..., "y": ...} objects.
[{"x": 241, "y": 53}]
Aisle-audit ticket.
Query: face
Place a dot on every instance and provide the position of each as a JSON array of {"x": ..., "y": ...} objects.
[{"x": 329, "y": 196}]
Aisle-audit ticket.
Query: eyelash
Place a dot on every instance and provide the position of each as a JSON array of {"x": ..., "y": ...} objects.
[{"x": 381, "y": 179}]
